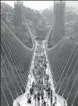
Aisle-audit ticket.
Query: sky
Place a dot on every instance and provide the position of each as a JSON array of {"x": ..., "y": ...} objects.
[{"x": 41, "y": 5}]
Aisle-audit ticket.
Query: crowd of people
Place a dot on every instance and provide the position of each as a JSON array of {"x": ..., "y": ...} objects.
[
  {"x": 42, "y": 97},
  {"x": 41, "y": 90}
]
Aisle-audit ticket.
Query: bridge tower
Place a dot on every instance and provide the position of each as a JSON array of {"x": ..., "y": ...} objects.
[
  {"x": 59, "y": 18},
  {"x": 18, "y": 13}
]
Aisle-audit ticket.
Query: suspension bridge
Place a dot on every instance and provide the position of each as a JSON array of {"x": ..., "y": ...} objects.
[{"x": 16, "y": 72}]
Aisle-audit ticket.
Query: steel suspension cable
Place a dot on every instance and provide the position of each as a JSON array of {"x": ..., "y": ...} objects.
[
  {"x": 69, "y": 78},
  {"x": 13, "y": 59},
  {"x": 65, "y": 66},
  {"x": 49, "y": 67},
  {"x": 7, "y": 85},
  {"x": 62, "y": 53},
  {"x": 57, "y": 72},
  {"x": 27, "y": 26},
  {"x": 74, "y": 98},
  {"x": 21, "y": 63},
  {"x": 72, "y": 87},
  {"x": 64, "y": 62},
  {"x": 58, "y": 63},
  {"x": 57, "y": 66},
  {"x": 53, "y": 78},
  {"x": 63, "y": 38},
  {"x": 32, "y": 62},
  {"x": 30, "y": 69},
  {"x": 12, "y": 33},
  {"x": 66, "y": 73},
  {"x": 13, "y": 72},
  {"x": 30, "y": 32},
  {"x": 9, "y": 76},
  {"x": 4, "y": 96},
  {"x": 14, "y": 36}
]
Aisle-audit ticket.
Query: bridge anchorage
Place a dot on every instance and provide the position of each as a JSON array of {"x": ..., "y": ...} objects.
[{"x": 40, "y": 89}]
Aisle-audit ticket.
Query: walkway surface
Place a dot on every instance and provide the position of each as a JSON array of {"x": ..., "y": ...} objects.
[
  {"x": 22, "y": 100},
  {"x": 40, "y": 74}
]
